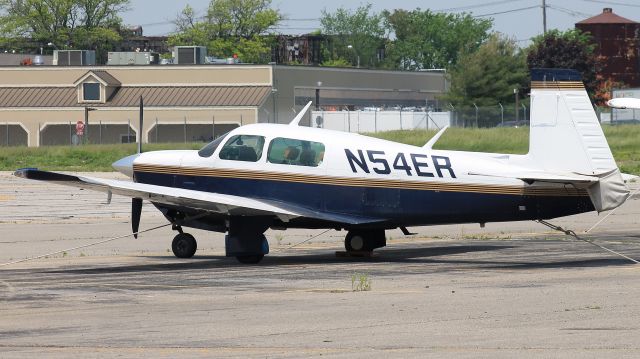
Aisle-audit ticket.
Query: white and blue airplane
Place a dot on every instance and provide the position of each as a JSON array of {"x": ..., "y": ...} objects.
[{"x": 265, "y": 176}]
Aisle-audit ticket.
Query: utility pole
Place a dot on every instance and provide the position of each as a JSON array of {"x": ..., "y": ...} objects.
[{"x": 544, "y": 16}]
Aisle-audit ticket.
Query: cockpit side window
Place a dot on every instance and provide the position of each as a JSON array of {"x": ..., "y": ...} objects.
[
  {"x": 247, "y": 148},
  {"x": 295, "y": 152},
  {"x": 211, "y": 147}
]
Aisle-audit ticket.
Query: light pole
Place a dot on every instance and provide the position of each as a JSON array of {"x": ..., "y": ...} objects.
[
  {"x": 501, "y": 113},
  {"x": 474, "y": 105},
  {"x": 350, "y": 47},
  {"x": 524, "y": 112},
  {"x": 453, "y": 114},
  {"x": 274, "y": 93},
  {"x": 515, "y": 92},
  {"x": 319, "y": 83},
  {"x": 86, "y": 122}
]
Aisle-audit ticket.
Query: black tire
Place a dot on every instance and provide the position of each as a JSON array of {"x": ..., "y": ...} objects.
[
  {"x": 354, "y": 241},
  {"x": 251, "y": 259},
  {"x": 184, "y": 245}
]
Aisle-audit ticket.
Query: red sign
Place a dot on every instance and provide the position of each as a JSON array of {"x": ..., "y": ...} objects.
[{"x": 80, "y": 128}]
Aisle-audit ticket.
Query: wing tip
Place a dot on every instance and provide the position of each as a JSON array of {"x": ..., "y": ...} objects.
[{"x": 24, "y": 172}]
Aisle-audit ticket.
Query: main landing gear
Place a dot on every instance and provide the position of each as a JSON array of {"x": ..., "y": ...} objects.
[
  {"x": 184, "y": 245},
  {"x": 364, "y": 240},
  {"x": 245, "y": 240}
]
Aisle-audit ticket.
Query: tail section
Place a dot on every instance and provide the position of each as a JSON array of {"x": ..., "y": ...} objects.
[{"x": 566, "y": 136}]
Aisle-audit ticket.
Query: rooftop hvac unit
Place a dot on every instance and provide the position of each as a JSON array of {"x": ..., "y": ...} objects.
[
  {"x": 133, "y": 58},
  {"x": 190, "y": 55},
  {"x": 74, "y": 57}
]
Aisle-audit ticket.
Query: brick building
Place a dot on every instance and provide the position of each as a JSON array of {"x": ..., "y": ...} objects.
[{"x": 618, "y": 43}]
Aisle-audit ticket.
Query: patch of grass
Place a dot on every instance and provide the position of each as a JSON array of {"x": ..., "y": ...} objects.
[
  {"x": 623, "y": 140},
  {"x": 88, "y": 158},
  {"x": 360, "y": 282}
]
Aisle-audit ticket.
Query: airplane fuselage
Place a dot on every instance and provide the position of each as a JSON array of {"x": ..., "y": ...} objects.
[{"x": 360, "y": 176}]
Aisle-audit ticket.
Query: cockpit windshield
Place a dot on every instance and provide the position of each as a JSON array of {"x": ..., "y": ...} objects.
[{"x": 210, "y": 148}]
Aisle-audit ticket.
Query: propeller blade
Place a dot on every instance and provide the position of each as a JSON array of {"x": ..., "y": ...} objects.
[
  {"x": 136, "y": 212},
  {"x": 141, "y": 119}
]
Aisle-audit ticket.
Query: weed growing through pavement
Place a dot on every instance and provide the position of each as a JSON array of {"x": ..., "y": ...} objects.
[
  {"x": 279, "y": 237},
  {"x": 360, "y": 282}
]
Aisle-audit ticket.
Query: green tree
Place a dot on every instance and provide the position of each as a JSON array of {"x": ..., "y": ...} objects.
[
  {"x": 488, "y": 76},
  {"x": 571, "y": 49},
  {"x": 428, "y": 40},
  {"x": 230, "y": 27},
  {"x": 354, "y": 35},
  {"x": 92, "y": 24}
]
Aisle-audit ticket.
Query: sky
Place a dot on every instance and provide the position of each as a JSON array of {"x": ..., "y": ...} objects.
[{"x": 518, "y": 19}]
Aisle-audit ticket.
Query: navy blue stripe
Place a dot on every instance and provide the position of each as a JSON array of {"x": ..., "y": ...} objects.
[{"x": 401, "y": 206}]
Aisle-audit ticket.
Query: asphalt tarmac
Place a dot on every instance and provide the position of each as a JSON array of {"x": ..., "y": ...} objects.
[{"x": 507, "y": 290}]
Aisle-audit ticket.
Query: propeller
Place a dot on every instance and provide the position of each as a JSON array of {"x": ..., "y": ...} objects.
[
  {"x": 136, "y": 203},
  {"x": 136, "y": 212},
  {"x": 140, "y": 125}
]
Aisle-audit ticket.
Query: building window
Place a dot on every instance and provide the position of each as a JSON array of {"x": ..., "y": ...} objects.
[
  {"x": 296, "y": 152},
  {"x": 91, "y": 91}
]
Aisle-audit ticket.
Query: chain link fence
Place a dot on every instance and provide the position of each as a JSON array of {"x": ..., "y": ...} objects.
[
  {"x": 204, "y": 129},
  {"x": 158, "y": 130}
]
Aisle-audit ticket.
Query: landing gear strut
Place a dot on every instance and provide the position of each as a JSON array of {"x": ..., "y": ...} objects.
[{"x": 364, "y": 240}]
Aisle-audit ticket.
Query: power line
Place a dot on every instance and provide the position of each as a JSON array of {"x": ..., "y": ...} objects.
[
  {"x": 569, "y": 11},
  {"x": 509, "y": 11},
  {"x": 470, "y": 7},
  {"x": 612, "y": 3}
]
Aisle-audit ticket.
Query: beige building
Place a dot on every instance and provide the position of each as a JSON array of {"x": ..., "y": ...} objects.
[{"x": 42, "y": 105}]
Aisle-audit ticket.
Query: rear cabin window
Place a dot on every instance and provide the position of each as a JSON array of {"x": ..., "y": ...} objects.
[
  {"x": 289, "y": 151},
  {"x": 245, "y": 148}
]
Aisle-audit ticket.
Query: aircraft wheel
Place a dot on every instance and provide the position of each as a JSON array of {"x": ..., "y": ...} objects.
[
  {"x": 251, "y": 259},
  {"x": 184, "y": 245},
  {"x": 354, "y": 241}
]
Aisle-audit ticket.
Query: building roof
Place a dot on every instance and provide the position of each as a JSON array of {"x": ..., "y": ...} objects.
[
  {"x": 607, "y": 17},
  {"x": 103, "y": 76},
  {"x": 154, "y": 96}
]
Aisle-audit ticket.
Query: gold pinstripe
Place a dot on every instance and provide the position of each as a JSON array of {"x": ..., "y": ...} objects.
[
  {"x": 557, "y": 85},
  {"x": 361, "y": 182}
]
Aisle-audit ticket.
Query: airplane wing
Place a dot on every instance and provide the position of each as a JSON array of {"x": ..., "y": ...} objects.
[{"x": 199, "y": 200}]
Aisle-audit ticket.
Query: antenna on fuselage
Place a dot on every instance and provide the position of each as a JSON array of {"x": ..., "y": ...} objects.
[{"x": 300, "y": 115}]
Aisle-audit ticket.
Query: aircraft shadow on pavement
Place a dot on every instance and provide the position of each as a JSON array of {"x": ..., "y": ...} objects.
[{"x": 433, "y": 257}]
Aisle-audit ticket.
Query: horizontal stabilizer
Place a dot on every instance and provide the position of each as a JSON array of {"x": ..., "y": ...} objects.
[
  {"x": 624, "y": 103},
  {"x": 530, "y": 177}
]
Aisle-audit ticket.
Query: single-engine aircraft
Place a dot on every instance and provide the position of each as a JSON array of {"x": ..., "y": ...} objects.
[{"x": 263, "y": 176}]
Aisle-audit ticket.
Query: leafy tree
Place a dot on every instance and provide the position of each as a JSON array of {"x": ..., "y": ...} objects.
[
  {"x": 488, "y": 76},
  {"x": 355, "y": 35},
  {"x": 230, "y": 27},
  {"x": 186, "y": 19},
  {"x": 93, "y": 24},
  {"x": 428, "y": 40},
  {"x": 571, "y": 49}
]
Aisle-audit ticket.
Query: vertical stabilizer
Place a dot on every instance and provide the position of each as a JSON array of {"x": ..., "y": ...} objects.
[
  {"x": 565, "y": 131},
  {"x": 566, "y": 135}
]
